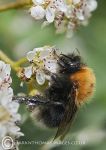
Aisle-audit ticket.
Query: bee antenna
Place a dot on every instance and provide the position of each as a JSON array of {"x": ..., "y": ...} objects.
[{"x": 76, "y": 50}]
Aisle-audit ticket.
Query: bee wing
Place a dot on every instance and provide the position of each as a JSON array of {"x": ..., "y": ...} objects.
[{"x": 69, "y": 115}]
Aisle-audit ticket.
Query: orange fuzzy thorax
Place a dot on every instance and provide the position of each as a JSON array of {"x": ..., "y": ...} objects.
[{"x": 86, "y": 80}]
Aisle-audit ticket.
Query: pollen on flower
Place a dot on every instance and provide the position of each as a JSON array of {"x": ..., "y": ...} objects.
[
  {"x": 43, "y": 62},
  {"x": 67, "y": 15}
]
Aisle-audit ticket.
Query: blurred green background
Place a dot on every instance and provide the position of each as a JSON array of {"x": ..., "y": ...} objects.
[{"x": 20, "y": 33}]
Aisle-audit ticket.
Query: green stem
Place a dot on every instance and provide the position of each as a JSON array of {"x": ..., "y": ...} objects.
[
  {"x": 8, "y": 60},
  {"x": 14, "y": 65},
  {"x": 15, "y": 5},
  {"x": 21, "y": 62}
]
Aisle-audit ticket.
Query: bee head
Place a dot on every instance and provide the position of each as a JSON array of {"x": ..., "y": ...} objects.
[{"x": 70, "y": 63}]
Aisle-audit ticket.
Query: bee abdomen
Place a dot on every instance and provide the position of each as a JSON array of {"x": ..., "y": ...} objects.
[
  {"x": 50, "y": 116},
  {"x": 86, "y": 84}
]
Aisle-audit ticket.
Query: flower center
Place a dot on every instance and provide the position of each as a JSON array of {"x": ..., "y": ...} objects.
[{"x": 69, "y": 1}]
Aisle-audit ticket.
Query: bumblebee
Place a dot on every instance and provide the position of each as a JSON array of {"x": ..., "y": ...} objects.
[{"x": 69, "y": 88}]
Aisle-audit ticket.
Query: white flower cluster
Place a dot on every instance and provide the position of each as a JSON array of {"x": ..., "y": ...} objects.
[
  {"x": 43, "y": 62},
  {"x": 67, "y": 15},
  {"x": 8, "y": 109}
]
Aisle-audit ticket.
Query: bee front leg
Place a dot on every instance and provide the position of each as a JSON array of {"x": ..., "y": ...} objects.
[{"x": 34, "y": 101}]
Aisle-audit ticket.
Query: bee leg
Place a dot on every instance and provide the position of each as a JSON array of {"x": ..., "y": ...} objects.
[
  {"x": 20, "y": 99},
  {"x": 34, "y": 100},
  {"x": 63, "y": 64},
  {"x": 37, "y": 100},
  {"x": 54, "y": 77}
]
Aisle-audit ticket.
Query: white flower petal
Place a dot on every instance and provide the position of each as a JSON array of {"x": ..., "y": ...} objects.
[
  {"x": 80, "y": 15},
  {"x": 6, "y": 96},
  {"x": 8, "y": 108},
  {"x": 30, "y": 55},
  {"x": 40, "y": 77},
  {"x": 61, "y": 5},
  {"x": 5, "y": 78},
  {"x": 28, "y": 72},
  {"x": 15, "y": 130},
  {"x": 2, "y": 131},
  {"x": 69, "y": 12},
  {"x": 50, "y": 14},
  {"x": 13, "y": 107},
  {"x": 38, "y": 2},
  {"x": 91, "y": 5},
  {"x": 44, "y": 53},
  {"x": 51, "y": 65},
  {"x": 2, "y": 64},
  {"x": 37, "y": 12},
  {"x": 76, "y": 1},
  {"x": 8, "y": 69}
]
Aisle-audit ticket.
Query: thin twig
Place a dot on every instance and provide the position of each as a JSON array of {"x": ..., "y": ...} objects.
[
  {"x": 15, "y": 5},
  {"x": 7, "y": 60},
  {"x": 21, "y": 61}
]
